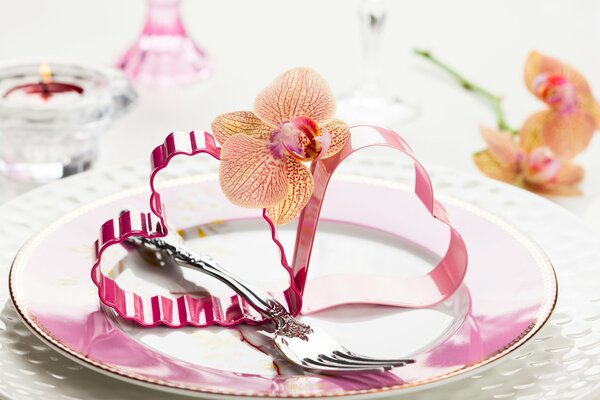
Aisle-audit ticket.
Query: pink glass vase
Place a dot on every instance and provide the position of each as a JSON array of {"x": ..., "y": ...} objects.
[{"x": 164, "y": 54}]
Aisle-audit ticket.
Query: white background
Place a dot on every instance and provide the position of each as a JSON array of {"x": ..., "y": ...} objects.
[{"x": 253, "y": 41}]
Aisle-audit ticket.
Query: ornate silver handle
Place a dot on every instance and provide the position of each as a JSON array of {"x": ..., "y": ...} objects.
[{"x": 262, "y": 302}]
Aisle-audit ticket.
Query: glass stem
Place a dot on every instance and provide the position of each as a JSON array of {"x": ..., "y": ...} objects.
[
  {"x": 372, "y": 19},
  {"x": 164, "y": 18}
]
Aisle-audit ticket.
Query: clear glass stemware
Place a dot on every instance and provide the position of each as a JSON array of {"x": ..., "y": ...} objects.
[{"x": 369, "y": 101}]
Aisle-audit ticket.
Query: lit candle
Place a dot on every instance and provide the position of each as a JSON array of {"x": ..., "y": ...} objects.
[
  {"x": 50, "y": 120},
  {"x": 46, "y": 90}
]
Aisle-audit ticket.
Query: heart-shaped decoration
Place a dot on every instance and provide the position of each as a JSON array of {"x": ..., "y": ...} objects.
[{"x": 302, "y": 295}]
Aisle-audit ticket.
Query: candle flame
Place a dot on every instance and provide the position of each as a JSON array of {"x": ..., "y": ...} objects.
[{"x": 45, "y": 72}]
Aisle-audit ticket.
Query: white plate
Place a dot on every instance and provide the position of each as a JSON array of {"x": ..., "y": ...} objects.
[
  {"x": 561, "y": 362},
  {"x": 507, "y": 295}
]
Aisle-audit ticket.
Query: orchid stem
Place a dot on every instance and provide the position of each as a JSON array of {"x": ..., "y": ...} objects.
[{"x": 495, "y": 101}]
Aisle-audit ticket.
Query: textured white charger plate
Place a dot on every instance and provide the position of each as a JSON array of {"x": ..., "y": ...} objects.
[{"x": 562, "y": 361}]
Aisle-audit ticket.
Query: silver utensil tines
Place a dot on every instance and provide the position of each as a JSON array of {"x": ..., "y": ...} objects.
[{"x": 301, "y": 344}]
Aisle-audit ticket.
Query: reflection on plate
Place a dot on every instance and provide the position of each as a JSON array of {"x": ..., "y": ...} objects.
[{"x": 509, "y": 293}]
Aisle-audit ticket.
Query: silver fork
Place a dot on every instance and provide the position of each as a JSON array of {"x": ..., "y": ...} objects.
[{"x": 300, "y": 343}]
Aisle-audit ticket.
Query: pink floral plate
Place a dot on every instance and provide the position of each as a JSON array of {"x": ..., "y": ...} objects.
[{"x": 508, "y": 293}]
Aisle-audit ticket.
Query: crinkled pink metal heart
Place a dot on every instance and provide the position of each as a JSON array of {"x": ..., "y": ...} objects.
[{"x": 415, "y": 292}]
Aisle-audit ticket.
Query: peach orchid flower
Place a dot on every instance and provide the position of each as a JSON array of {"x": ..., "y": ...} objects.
[
  {"x": 535, "y": 168},
  {"x": 573, "y": 114},
  {"x": 263, "y": 152}
]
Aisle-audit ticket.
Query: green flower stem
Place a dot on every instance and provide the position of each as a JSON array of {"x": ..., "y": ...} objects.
[{"x": 495, "y": 101}]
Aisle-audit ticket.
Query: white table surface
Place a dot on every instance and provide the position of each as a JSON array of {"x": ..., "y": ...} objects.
[{"x": 253, "y": 41}]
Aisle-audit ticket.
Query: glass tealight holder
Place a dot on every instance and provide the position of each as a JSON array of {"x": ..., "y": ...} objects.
[{"x": 50, "y": 121}]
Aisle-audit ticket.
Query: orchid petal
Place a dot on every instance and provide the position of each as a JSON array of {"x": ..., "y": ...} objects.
[
  {"x": 299, "y": 92},
  {"x": 553, "y": 189},
  {"x": 501, "y": 146},
  {"x": 340, "y": 134},
  {"x": 245, "y": 122},
  {"x": 569, "y": 174},
  {"x": 567, "y": 134},
  {"x": 595, "y": 111},
  {"x": 538, "y": 65},
  {"x": 530, "y": 133},
  {"x": 300, "y": 186},
  {"x": 490, "y": 166},
  {"x": 250, "y": 175}
]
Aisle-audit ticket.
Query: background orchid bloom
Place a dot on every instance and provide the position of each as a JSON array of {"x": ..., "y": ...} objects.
[
  {"x": 263, "y": 151},
  {"x": 533, "y": 167},
  {"x": 573, "y": 114},
  {"x": 538, "y": 156}
]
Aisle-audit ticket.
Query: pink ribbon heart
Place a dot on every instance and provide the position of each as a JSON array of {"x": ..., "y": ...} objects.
[{"x": 302, "y": 295}]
